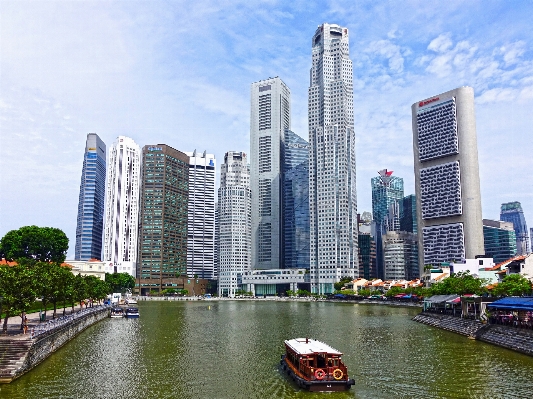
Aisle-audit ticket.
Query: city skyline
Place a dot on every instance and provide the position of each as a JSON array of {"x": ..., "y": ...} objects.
[{"x": 118, "y": 70}]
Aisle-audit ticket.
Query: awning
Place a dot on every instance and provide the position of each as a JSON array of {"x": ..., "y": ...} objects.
[
  {"x": 441, "y": 298},
  {"x": 513, "y": 303}
]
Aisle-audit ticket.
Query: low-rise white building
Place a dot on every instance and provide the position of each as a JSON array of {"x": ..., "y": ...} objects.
[
  {"x": 91, "y": 267},
  {"x": 275, "y": 281}
]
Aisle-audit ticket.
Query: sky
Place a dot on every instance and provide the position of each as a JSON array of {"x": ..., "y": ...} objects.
[{"x": 179, "y": 73}]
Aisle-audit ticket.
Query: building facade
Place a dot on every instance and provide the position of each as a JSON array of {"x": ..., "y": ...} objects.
[
  {"x": 332, "y": 175},
  {"x": 234, "y": 225},
  {"x": 512, "y": 212},
  {"x": 500, "y": 240},
  {"x": 90, "y": 223},
  {"x": 408, "y": 214},
  {"x": 201, "y": 225},
  {"x": 269, "y": 118},
  {"x": 295, "y": 201},
  {"x": 448, "y": 199},
  {"x": 400, "y": 255},
  {"x": 122, "y": 206},
  {"x": 162, "y": 260}
]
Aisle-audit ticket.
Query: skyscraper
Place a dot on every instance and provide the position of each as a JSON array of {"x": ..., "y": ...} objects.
[
  {"x": 408, "y": 214},
  {"x": 448, "y": 199},
  {"x": 234, "y": 225},
  {"x": 163, "y": 218},
  {"x": 332, "y": 188},
  {"x": 500, "y": 240},
  {"x": 387, "y": 190},
  {"x": 122, "y": 206},
  {"x": 270, "y": 116},
  {"x": 295, "y": 209},
  {"x": 90, "y": 224},
  {"x": 201, "y": 228},
  {"x": 512, "y": 212}
]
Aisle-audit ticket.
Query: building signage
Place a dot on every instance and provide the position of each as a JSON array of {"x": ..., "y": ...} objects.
[
  {"x": 92, "y": 149},
  {"x": 422, "y": 103},
  {"x": 155, "y": 149}
]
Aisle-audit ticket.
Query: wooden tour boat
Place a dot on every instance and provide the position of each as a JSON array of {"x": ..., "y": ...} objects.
[{"x": 315, "y": 366}]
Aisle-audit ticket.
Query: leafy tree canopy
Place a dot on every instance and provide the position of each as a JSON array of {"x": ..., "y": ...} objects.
[
  {"x": 343, "y": 280},
  {"x": 460, "y": 284},
  {"x": 120, "y": 282},
  {"x": 513, "y": 285},
  {"x": 45, "y": 244}
]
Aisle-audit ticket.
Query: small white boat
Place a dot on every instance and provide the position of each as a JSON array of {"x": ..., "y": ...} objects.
[
  {"x": 117, "y": 312},
  {"x": 132, "y": 313}
]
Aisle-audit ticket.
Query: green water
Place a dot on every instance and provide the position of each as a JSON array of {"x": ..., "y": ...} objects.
[{"x": 231, "y": 349}]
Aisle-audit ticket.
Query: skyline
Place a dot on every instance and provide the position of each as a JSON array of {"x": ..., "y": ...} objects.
[{"x": 179, "y": 74}]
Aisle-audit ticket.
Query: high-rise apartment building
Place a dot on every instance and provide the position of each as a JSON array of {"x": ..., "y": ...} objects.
[
  {"x": 201, "y": 228},
  {"x": 295, "y": 196},
  {"x": 332, "y": 185},
  {"x": 500, "y": 240},
  {"x": 234, "y": 225},
  {"x": 122, "y": 206},
  {"x": 448, "y": 196},
  {"x": 90, "y": 224},
  {"x": 512, "y": 212},
  {"x": 270, "y": 117},
  {"x": 400, "y": 255},
  {"x": 163, "y": 218},
  {"x": 387, "y": 190}
]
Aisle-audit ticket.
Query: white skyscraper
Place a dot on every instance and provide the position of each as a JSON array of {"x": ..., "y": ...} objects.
[
  {"x": 122, "y": 206},
  {"x": 270, "y": 116},
  {"x": 448, "y": 199},
  {"x": 234, "y": 224},
  {"x": 201, "y": 217},
  {"x": 332, "y": 190}
]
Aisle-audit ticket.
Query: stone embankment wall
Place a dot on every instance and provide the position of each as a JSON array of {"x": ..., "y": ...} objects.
[
  {"x": 45, "y": 345},
  {"x": 517, "y": 339}
]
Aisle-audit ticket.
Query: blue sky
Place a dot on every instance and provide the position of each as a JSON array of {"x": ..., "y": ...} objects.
[{"x": 179, "y": 73}]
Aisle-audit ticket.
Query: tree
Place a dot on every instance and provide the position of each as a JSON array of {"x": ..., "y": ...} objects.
[
  {"x": 513, "y": 285},
  {"x": 79, "y": 289},
  {"x": 120, "y": 282},
  {"x": 17, "y": 287},
  {"x": 460, "y": 284},
  {"x": 343, "y": 280},
  {"x": 394, "y": 291},
  {"x": 45, "y": 244}
]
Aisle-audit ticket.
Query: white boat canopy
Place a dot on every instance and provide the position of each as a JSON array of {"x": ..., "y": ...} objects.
[{"x": 307, "y": 346}]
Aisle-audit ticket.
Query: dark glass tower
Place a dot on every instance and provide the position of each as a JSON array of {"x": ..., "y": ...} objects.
[
  {"x": 408, "y": 214},
  {"x": 295, "y": 175},
  {"x": 512, "y": 212},
  {"x": 163, "y": 218},
  {"x": 90, "y": 222}
]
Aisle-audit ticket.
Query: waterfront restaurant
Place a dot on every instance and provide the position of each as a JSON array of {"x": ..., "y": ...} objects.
[{"x": 512, "y": 311}]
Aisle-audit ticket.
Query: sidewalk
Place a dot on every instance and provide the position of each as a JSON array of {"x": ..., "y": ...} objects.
[{"x": 13, "y": 323}]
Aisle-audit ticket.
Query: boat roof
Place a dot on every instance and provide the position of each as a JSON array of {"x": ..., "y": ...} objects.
[{"x": 307, "y": 346}]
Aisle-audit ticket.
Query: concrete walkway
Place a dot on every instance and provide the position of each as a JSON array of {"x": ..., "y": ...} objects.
[{"x": 13, "y": 323}]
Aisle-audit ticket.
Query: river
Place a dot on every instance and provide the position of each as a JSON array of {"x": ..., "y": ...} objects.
[{"x": 231, "y": 349}]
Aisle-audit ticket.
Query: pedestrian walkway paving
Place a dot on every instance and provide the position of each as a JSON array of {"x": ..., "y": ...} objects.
[{"x": 14, "y": 322}]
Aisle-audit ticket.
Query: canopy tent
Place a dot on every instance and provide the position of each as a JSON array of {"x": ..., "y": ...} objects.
[
  {"x": 441, "y": 298},
  {"x": 513, "y": 303}
]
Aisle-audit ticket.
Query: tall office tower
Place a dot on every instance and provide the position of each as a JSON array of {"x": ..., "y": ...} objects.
[
  {"x": 512, "y": 212},
  {"x": 500, "y": 240},
  {"x": 201, "y": 229},
  {"x": 448, "y": 200},
  {"x": 217, "y": 240},
  {"x": 270, "y": 117},
  {"x": 295, "y": 197},
  {"x": 122, "y": 206},
  {"x": 90, "y": 225},
  {"x": 531, "y": 237},
  {"x": 387, "y": 190},
  {"x": 332, "y": 188},
  {"x": 234, "y": 223},
  {"x": 163, "y": 218},
  {"x": 400, "y": 255},
  {"x": 408, "y": 214}
]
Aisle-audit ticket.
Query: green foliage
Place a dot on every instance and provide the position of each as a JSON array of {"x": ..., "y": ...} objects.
[
  {"x": 513, "y": 285},
  {"x": 343, "y": 280},
  {"x": 394, "y": 291},
  {"x": 460, "y": 284},
  {"x": 365, "y": 292},
  {"x": 120, "y": 282},
  {"x": 45, "y": 244}
]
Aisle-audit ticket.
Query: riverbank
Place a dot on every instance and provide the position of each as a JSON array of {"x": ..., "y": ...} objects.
[
  {"x": 516, "y": 339},
  {"x": 22, "y": 352}
]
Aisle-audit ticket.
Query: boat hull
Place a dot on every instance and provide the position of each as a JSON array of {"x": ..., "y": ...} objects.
[
  {"x": 316, "y": 385},
  {"x": 131, "y": 316}
]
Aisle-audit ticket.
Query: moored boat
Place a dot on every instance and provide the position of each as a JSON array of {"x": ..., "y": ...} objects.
[
  {"x": 117, "y": 312},
  {"x": 132, "y": 313},
  {"x": 315, "y": 366}
]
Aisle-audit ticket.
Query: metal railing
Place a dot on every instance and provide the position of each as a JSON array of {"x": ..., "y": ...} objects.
[{"x": 62, "y": 321}]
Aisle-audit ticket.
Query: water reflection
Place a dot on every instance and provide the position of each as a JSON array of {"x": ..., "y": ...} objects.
[{"x": 231, "y": 349}]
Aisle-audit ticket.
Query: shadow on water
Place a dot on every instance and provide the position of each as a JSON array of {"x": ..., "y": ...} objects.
[{"x": 231, "y": 349}]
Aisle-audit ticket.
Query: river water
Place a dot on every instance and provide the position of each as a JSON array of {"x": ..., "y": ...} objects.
[{"x": 231, "y": 349}]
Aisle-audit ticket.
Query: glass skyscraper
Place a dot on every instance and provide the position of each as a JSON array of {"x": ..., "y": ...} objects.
[
  {"x": 295, "y": 175},
  {"x": 408, "y": 214},
  {"x": 90, "y": 223},
  {"x": 512, "y": 212},
  {"x": 500, "y": 240}
]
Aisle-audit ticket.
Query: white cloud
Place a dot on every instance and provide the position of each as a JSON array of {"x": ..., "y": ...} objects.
[
  {"x": 440, "y": 44},
  {"x": 390, "y": 51}
]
